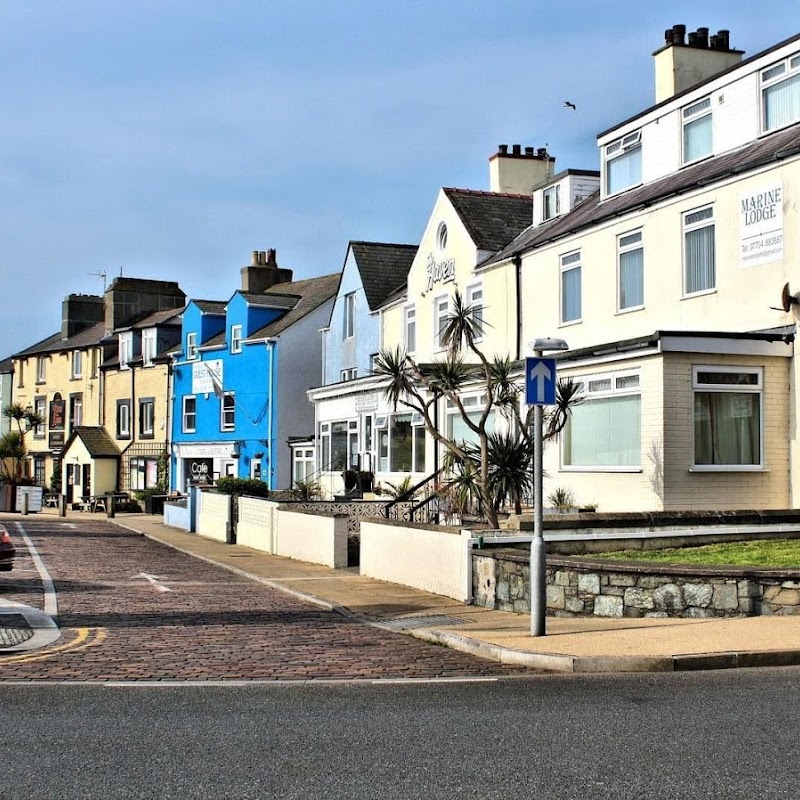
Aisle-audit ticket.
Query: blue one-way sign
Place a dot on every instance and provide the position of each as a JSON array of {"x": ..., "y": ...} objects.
[{"x": 540, "y": 381}]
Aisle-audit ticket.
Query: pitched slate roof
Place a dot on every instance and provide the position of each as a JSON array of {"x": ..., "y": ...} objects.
[
  {"x": 305, "y": 295},
  {"x": 491, "y": 219},
  {"x": 593, "y": 211},
  {"x": 211, "y": 306},
  {"x": 170, "y": 316},
  {"x": 7, "y": 365},
  {"x": 268, "y": 300},
  {"x": 383, "y": 268},
  {"x": 88, "y": 337},
  {"x": 96, "y": 440}
]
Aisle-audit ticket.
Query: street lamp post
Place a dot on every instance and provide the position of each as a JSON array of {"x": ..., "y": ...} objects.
[{"x": 538, "y": 570}]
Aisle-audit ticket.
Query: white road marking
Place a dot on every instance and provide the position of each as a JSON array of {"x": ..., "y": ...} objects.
[
  {"x": 50, "y": 599},
  {"x": 153, "y": 580}
]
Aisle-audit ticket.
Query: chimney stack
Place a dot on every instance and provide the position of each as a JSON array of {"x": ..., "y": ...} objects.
[
  {"x": 518, "y": 172},
  {"x": 680, "y": 65},
  {"x": 80, "y": 311},
  {"x": 263, "y": 272}
]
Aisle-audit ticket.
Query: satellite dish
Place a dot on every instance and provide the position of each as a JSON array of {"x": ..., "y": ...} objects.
[{"x": 788, "y": 299}]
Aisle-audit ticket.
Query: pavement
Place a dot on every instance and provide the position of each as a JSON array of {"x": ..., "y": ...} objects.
[{"x": 577, "y": 644}]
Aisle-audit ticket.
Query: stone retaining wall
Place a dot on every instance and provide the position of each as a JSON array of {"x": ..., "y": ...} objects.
[{"x": 586, "y": 587}]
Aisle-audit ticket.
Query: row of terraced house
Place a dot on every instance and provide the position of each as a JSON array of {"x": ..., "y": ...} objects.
[{"x": 666, "y": 272}]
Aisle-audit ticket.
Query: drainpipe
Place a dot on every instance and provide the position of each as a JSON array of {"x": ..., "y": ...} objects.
[
  {"x": 271, "y": 415},
  {"x": 517, "y": 261}
]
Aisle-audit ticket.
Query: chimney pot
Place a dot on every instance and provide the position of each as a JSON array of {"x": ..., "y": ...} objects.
[
  {"x": 529, "y": 152},
  {"x": 254, "y": 258},
  {"x": 542, "y": 152},
  {"x": 703, "y": 37},
  {"x": 693, "y": 40},
  {"x": 724, "y": 37},
  {"x": 502, "y": 150},
  {"x": 271, "y": 257},
  {"x": 516, "y": 149},
  {"x": 678, "y": 32},
  {"x": 714, "y": 42},
  {"x": 668, "y": 36}
]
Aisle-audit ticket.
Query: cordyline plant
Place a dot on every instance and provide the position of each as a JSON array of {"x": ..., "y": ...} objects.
[
  {"x": 498, "y": 463},
  {"x": 12, "y": 443}
]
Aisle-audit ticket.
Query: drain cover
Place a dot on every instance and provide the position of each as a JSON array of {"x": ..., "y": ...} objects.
[
  {"x": 14, "y": 629},
  {"x": 425, "y": 621}
]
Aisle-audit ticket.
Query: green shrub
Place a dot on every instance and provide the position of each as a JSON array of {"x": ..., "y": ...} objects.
[
  {"x": 240, "y": 486},
  {"x": 150, "y": 491}
]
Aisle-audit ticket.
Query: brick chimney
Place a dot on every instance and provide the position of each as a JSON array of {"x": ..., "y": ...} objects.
[
  {"x": 263, "y": 272},
  {"x": 518, "y": 172},
  {"x": 681, "y": 64},
  {"x": 128, "y": 300},
  {"x": 80, "y": 311}
]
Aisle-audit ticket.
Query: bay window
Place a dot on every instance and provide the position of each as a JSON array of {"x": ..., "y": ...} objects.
[
  {"x": 604, "y": 430},
  {"x": 728, "y": 421}
]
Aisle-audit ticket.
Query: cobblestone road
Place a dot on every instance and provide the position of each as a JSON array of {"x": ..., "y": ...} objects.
[{"x": 210, "y": 624}]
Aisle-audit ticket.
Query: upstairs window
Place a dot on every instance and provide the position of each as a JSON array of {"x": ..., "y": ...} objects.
[
  {"x": 40, "y": 408},
  {"x": 148, "y": 346},
  {"x": 349, "y": 374},
  {"x": 123, "y": 419},
  {"x": 228, "y": 412},
  {"x": 41, "y": 369},
  {"x": 630, "y": 259},
  {"x": 441, "y": 309},
  {"x": 236, "y": 338},
  {"x": 191, "y": 346},
  {"x": 623, "y": 162},
  {"x": 551, "y": 203},
  {"x": 698, "y": 139},
  {"x": 147, "y": 411},
  {"x": 125, "y": 349},
  {"x": 475, "y": 302},
  {"x": 77, "y": 363},
  {"x": 349, "y": 320},
  {"x": 410, "y": 338},
  {"x": 189, "y": 415},
  {"x": 571, "y": 288},
  {"x": 699, "y": 256},
  {"x": 780, "y": 93}
]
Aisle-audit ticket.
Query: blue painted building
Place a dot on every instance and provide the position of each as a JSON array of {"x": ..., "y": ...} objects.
[{"x": 241, "y": 374}]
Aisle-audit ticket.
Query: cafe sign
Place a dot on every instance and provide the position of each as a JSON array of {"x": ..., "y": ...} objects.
[{"x": 443, "y": 271}]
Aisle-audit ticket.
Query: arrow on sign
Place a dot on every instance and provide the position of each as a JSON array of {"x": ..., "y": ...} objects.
[
  {"x": 541, "y": 375},
  {"x": 152, "y": 580}
]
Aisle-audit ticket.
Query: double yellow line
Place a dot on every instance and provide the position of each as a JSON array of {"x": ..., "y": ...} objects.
[{"x": 84, "y": 638}]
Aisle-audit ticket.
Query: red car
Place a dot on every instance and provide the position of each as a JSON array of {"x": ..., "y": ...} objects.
[{"x": 7, "y": 551}]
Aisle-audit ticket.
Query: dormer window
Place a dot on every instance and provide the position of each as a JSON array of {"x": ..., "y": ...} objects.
[
  {"x": 698, "y": 141},
  {"x": 551, "y": 203},
  {"x": 623, "y": 163},
  {"x": 125, "y": 349},
  {"x": 780, "y": 92},
  {"x": 236, "y": 338},
  {"x": 148, "y": 346},
  {"x": 191, "y": 346}
]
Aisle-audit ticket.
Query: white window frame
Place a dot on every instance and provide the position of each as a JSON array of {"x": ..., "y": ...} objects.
[
  {"x": 41, "y": 369},
  {"x": 303, "y": 462},
  {"x": 705, "y": 222},
  {"x": 227, "y": 411},
  {"x": 589, "y": 387},
  {"x": 236, "y": 338},
  {"x": 754, "y": 389},
  {"x": 626, "y": 243},
  {"x": 623, "y": 146},
  {"x": 348, "y": 374},
  {"x": 191, "y": 346},
  {"x": 474, "y": 297},
  {"x": 124, "y": 419},
  {"x": 570, "y": 262},
  {"x": 783, "y": 71},
  {"x": 349, "y": 316},
  {"x": 76, "y": 370},
  {"x": 551, "y": 202},
  {"x": 125, "y": 349},
  {"x": 410, "y": 329},
  {"x": 187, "y": 415},
  {"x": 149, "y": 338},
  {"x": 441, "y": 309},
  {"x": 690, "y": 115},
  {"x": 147, "y": 417}
]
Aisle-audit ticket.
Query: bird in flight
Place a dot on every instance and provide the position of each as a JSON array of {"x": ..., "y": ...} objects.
[{"x": 567, "y": 104}]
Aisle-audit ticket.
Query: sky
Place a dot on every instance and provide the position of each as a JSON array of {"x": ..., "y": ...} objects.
[{"x": 168, "y": 139}]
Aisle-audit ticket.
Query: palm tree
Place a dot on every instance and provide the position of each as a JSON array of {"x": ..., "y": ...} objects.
[
  {"x": 12, "y": 443},
  {"x": 421, "y": 388}
]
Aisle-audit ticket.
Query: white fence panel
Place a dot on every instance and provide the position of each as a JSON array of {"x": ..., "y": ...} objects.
[
  {"x": 214, "y": 516},
  {"x": 317, "y": 538},
  {"x": 256, "y": 524}
]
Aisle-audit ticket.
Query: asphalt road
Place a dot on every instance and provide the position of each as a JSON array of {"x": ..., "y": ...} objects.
[{"x": 729, "y": 734}]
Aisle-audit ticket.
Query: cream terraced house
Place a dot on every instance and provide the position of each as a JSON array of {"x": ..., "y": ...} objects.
[
  {"x": 356, "y": 425},
  {"x": 667, "y": 286}
]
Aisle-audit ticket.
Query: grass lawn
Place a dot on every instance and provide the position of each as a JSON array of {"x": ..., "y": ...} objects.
[{"x": 764, "y": 553}]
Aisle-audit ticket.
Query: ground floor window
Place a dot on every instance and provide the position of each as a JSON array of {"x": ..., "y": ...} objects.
[
  {"x": 39, "y": 470},
  {"x": 727, "y": 417},
  {"x": 339, "y": 445},
  {"x": 401, "y": 443},
  {"x": 457, "y": 428},
  {"x": 303, "y": 464},
  {"x": 604, "y": 430},
  {"x": 144, "y": 473}
]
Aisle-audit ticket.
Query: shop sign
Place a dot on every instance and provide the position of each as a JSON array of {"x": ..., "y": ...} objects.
[
  {"x": 443, "y": 271},
  {"x": 761, "y": 231},
  {"x": 207, "y": 377},
  {"x": 366, "y": 402},
  {"x": 199, "y": 469}
]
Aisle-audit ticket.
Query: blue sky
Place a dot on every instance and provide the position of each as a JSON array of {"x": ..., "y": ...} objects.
[{"x": 168, "y": 139}]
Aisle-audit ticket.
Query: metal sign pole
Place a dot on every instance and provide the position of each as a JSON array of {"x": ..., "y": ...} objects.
[{"x": 538, "y": 548}]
